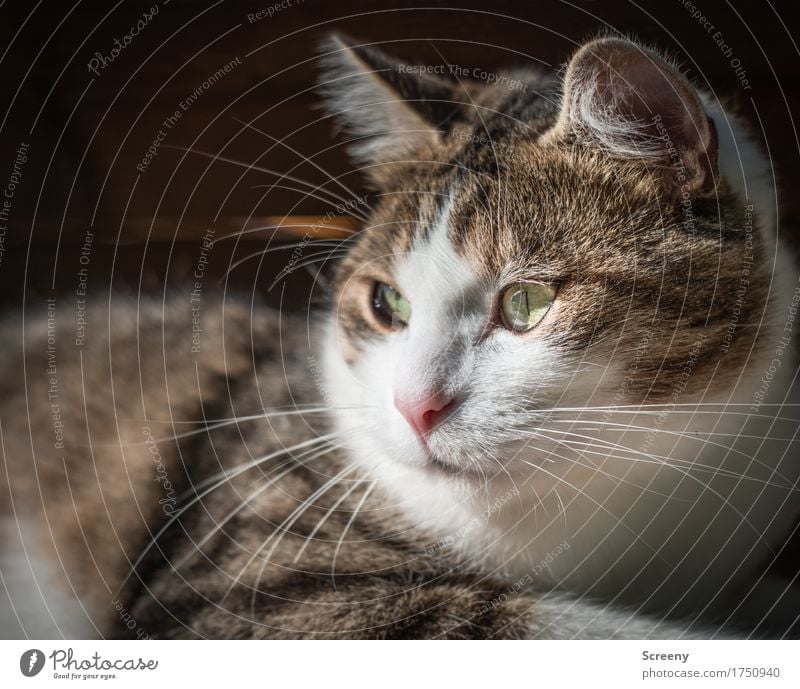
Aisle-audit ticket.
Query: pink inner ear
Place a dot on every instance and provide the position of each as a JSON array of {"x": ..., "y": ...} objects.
[{"x": 634, "y": 104}]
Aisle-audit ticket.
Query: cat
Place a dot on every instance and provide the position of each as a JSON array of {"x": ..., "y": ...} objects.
[{"x": 550, "y": 396}]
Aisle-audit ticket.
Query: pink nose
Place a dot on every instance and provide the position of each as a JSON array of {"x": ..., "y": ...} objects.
[{"x": 423, "y": 413}]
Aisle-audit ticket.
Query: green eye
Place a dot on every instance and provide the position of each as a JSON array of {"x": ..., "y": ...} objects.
[
  {"x": 525, "y": 304},
  {"x": 391, "y": 307}
]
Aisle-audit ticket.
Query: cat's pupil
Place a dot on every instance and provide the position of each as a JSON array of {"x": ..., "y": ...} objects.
[
  {"x": 524, "y": 305},
  {"x": 390, "y": 307}
]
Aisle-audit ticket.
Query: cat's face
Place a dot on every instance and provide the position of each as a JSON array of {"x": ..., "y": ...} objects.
[{"x": 498, "y": 286}]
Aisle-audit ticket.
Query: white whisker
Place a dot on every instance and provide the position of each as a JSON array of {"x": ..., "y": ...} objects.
[
  {"x": 347, "y": 528},
  {"x": 176, "y": 515}
]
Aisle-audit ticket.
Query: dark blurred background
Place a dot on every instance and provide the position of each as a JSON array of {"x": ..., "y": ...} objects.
[{"x": 88, "y": 130}]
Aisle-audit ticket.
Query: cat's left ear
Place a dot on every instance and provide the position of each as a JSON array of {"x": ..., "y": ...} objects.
[
  {"x": 635, "y": 105},
  {"x": 393, "y": 111}
]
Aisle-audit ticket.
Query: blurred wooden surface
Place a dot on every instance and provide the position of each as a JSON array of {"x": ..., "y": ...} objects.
[{"x": 260, "y": 229}]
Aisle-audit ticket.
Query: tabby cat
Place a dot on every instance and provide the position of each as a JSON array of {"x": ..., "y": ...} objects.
[{"x": 550, "y": 395}]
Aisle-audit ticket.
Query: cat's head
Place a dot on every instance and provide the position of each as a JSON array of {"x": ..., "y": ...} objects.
[{"x": 540, "y": 243}]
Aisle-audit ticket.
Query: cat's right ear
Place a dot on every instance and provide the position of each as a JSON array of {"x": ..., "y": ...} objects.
[
  {"x": 392, "y": 111},
  {"x": 634, "y": 104}
]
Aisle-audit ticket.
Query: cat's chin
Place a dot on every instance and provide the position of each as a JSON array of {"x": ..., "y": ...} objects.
[
  {"x": 443, "y": 467},
  {"x": 425, "y": 457}
]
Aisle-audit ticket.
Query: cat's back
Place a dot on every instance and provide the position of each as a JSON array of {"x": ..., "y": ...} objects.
[{"x": 88, "y": 411}]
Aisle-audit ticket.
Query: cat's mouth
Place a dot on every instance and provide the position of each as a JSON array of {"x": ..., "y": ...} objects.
[
  {"x": 434, "y": 451},
  {"x": 451, "y": 469}
]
